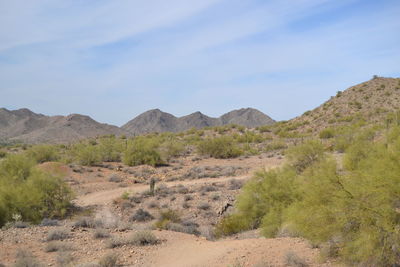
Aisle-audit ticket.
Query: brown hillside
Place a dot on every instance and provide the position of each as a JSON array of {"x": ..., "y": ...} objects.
[{"x": 369, "y": 101}]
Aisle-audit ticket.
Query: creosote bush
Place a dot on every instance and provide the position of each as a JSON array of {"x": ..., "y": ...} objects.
[
  {"x": 220, "y": 147},
  {"x": 143, "y": 150},
  {"x": 326, "y": 133},
  {"x": 43, "y": 153}
]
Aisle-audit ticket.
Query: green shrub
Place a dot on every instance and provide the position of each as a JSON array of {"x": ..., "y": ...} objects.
[
  {"x": 143, "y": 150},
  {"x": 86, "y": 154},
  {"x": 326, "y": 133},
  {"x": 250, "y": 137},
  {"x": 166, "y": 217},
  {"x": 43, "y": 153},
  {"x": 261, "y": 202},
  {"x": 353, "y": 211},
  {"x": 29, "y": 192},
  {"x": 110, "y": 148},
  {"x": 220, "y": 147},
  {"x": 172, "y": 148},
  {"x": 275, "y": 145},
  {"x": 16, "y": 167},
  {"x": 3, "y": 153},
  {"x": 304, "y": 155},
  {"x": 231, "y": 224}
]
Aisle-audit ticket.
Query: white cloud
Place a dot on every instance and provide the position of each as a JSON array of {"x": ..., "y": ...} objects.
[{"x": 209, "y": 55}]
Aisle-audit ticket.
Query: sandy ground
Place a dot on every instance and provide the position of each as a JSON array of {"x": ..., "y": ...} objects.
[{"x": 175, "y": 249}]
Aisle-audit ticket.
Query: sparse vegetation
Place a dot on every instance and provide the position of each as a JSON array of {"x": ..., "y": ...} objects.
[
  {"x": 57, "y": 234},
  {"x": 26, "y": 259},
  {"x": 166, "y": 217},
  {"x": 109, "y": 260},
  {"x": 141, "y": 216},
  {"x": 101, "y": 234},
  {"x": 141, "y": 238},
  {"x": 326, "y": 133},
  {"x": 293, "y": 260},
  {"x": 64, "y": 258},
  {"x": 54, "y": 246}
]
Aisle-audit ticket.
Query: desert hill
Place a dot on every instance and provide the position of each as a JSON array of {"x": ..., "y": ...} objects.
[
  {"x": 370, "y": 101},
  {"x": 159, "y": 121},
  {"x": 29, "y": 127}
]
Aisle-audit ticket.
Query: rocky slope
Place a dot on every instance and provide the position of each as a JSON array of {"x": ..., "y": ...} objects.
[
  {"x": 158, "y": 121},
  {"x": 26, "y": 126},
  {"x": 371, "y": 101}
]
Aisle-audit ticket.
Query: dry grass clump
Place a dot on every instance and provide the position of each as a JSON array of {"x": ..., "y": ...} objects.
[
  {"x": 115, "y": 178},
  {"x": 292, "y": 259},
  {"x": 101, "y": 233},
  {"x": 20, "y": 224},
  {"x": 84, "y": 222},
  {"x": 64, "y": 258},
  {"x": 166, "y": 217},
  {"x": 184, "y": 227},
  {"x": 49, "y": 222},
  {"x": 57, "y": 234},
  {"x": 204, "y": 206},
  {"x": 26, "y": 259},
  {"x": 54, "y": 246},
  {"x": 141, "y": 238},
  {"x": 235, "y": 184},
  {"x": 109, "y": 260},
  {"x": 141, "y": 216}
]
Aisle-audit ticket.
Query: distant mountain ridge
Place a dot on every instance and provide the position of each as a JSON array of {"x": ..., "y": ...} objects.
[
  {"x": 29, "y": 127},
  {"x": 156, "y": 120}
]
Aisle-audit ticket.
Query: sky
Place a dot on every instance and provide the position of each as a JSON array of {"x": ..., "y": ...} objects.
[{"x": 114, "y": 59}]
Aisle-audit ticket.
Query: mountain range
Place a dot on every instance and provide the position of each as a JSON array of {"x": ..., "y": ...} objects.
[
  {"x": 157, "y": 121},
  {"x": 26, "y": 126}
]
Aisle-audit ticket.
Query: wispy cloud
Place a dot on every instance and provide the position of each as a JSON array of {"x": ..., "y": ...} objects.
[{"x": 115, "y": 59}]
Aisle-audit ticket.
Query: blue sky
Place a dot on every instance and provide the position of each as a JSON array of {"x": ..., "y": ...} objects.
[{"x": 113, "y": 60}]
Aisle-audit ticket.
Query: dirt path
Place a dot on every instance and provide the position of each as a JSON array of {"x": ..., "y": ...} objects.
[
  {"x": 181, "y": 250},
  {"x": 107, "y": 196}
]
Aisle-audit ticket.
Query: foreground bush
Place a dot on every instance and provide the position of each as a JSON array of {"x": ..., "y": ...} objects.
[
  {"x": 304, "y": 155},
  {"x": 220, "y": 147},
  {"x": 352, "y": 211},
  {"x": 30, "y": 193},
  {"x": 262, "y": 202}
]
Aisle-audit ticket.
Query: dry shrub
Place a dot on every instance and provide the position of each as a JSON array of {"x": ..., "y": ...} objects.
[{"x": 57, "y": 234}]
